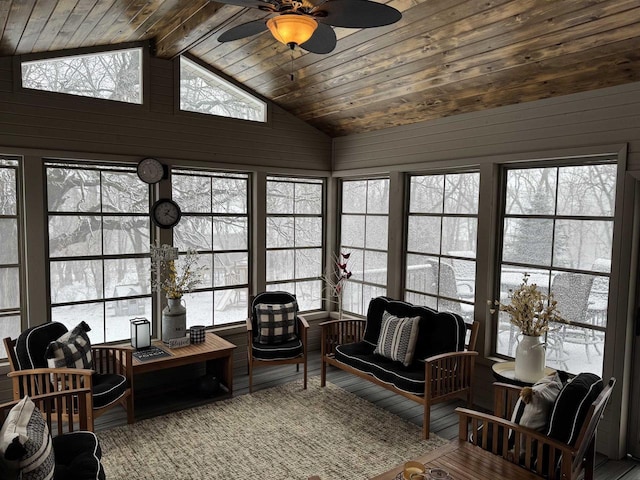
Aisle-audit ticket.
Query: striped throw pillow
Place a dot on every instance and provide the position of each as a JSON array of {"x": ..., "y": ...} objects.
[
  {"x": 398, "y": 337},
  {"x": 25, "y": 439}
]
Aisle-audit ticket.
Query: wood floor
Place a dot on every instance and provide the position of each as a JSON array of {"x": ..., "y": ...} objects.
[{"x": 444, "y": 422}]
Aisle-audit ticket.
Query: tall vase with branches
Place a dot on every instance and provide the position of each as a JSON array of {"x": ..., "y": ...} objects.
[{"x": 336, "y": 279}]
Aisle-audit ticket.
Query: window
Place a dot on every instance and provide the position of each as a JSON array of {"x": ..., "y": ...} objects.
[
  {"x": 295, "y": 238},
  {"x": 557, "y": 226},
  {"x": 10, "y": 312},
  {"x": 202, "y": 91},
  {"x": 114, "y": 75},
  {"x": 441, "y": 242},
  {"x": 99, "y": 239},
  {"x": 215, "y": 224},
  {"x": 364, "y": 233}
]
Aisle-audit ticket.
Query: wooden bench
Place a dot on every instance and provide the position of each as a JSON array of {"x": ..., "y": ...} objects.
[{"x": 444, "y": 376}]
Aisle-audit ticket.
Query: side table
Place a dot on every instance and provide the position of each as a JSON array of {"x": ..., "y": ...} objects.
[{"x": 506, "y": 372}]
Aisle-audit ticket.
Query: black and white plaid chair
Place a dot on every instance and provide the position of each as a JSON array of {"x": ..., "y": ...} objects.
[
  {"x": 276, "y": 334},
  {"x": 109, "y": 381}
]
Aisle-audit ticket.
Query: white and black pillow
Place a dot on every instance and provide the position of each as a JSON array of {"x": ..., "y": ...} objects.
[
  {"x": 25, "y": 440},
  {"x": 276, "y": 323},
  {"x": 73, "y": 349},
  {"x": 398, "y": 337},
  {"x": 533, "y": 408}
]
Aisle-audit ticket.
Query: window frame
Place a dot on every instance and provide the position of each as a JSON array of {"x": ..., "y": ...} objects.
[
  {"x": 51, "y": 162},
  {"x": 442, "y": 215},
  {"x": 226, "y": 81},
  {"x": 18, "y": 216},
  {"x": 84, "y": 52},
  {"x": 345, "y": 249},
  {"x": 557, "y": 164},
  {"x": 213, "y": 173},
  {"x": 297, "y": 179}
]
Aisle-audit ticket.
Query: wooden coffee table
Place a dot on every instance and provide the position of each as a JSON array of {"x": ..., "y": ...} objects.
[
  {"x": 465, "y": 461},
  {"x": 215, "y": 352}
]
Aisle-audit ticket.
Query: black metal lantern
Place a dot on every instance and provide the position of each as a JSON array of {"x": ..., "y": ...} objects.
[{"x": 140, "y": 333}]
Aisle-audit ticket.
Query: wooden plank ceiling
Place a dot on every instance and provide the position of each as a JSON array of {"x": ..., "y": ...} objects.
[{"x": 443, "y": 58}]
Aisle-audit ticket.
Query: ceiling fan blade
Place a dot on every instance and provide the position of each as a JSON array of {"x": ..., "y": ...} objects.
[
  {"x": 323, "y": 40},
  {"x": 244, "y": 30},
  {"x": 356, "y": 14},
  {"x": 247, "y": 3}
]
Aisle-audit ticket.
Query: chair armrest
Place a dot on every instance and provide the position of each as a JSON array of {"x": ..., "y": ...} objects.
[
  {"x": 528, "y": 444},
  {"x": 448, "y": 373},
  {"x": 355, "y": 320},
  {"x": 505, "y": 396},
  {"x": 443, "y": 356},
  {"x": 303, "y": 321},
  {"x": 40, "y": 381},
  {"x": 112, "y": 359},
  {"x": 339, "y": 332},
  {"x": 64, "y": 411}
]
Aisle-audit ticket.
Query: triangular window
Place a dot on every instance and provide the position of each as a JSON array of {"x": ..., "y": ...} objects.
[
  {"x": 114, "y": 75},
  {"x": 204, "y": 92}
]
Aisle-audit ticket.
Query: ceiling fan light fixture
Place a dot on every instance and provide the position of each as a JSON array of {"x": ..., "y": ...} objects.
[{"x": 292, "y": 29}]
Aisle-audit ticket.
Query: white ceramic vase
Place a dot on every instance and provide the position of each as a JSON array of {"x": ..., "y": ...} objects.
[{"x": 530, "y": 359}]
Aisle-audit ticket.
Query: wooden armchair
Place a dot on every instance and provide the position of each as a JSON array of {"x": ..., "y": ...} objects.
[
  {"x": 292, "y": 351},
  {"x": 525, "y": 446},
  {"x": 76, "y": 450},
  {"x": 110, "y": 383}
]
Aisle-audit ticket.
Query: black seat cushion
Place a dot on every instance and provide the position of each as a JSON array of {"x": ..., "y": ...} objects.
[
  {"x": 33, "y": 342},
  {"x": 78, "y": 457},
  {"x": 279, "y": 351},
  {"x": 360, "y": 356},
  {"x": 439, "y": 332},
  {"x": 107, "y": 388}
]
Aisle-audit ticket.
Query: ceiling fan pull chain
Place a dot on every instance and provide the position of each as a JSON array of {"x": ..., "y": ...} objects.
[{"x": 291, "y": 75}]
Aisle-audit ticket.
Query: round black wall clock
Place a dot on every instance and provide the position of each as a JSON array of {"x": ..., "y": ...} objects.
[
  {"x": 151, "y": 170},
  {"x": 165, "y": 213}
]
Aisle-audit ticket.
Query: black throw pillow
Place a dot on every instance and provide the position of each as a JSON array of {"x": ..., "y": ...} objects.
[{"x": 570, "y": 408}]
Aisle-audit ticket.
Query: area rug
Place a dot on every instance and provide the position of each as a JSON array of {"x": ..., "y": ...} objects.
[{"x": 280, "y": 433}]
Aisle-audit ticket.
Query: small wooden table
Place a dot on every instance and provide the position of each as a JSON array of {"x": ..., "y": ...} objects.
[
  {"x": 465, "y": 461},
  {"x": 215, "y": 352},
  {"x": 506, "y": 372}
]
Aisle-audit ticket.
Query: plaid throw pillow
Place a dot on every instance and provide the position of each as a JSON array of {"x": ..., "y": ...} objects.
[
  {"x": 73, "y": 349},
  {"x": 398, "y": 337},
  {"x": 276, "y": 323},
  {"x": 26, "y": 441}
]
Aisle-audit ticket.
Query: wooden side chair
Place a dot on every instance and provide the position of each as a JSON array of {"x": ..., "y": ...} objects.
[
  {"x": 110, "y": 382},
  {"x": 269, "y": 342}
]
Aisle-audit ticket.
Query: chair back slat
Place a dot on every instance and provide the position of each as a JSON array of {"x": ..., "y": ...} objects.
[
  {"x": 589, "y": 427},
  {"x": 472, "y": 333},
  {"x": 10, "y": 348}
]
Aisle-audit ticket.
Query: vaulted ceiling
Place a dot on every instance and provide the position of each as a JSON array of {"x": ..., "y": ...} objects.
[{"x": 443, "y": 58}]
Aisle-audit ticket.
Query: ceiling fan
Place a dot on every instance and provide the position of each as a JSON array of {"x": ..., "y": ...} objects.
[{"x": 307, "y": 23}]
